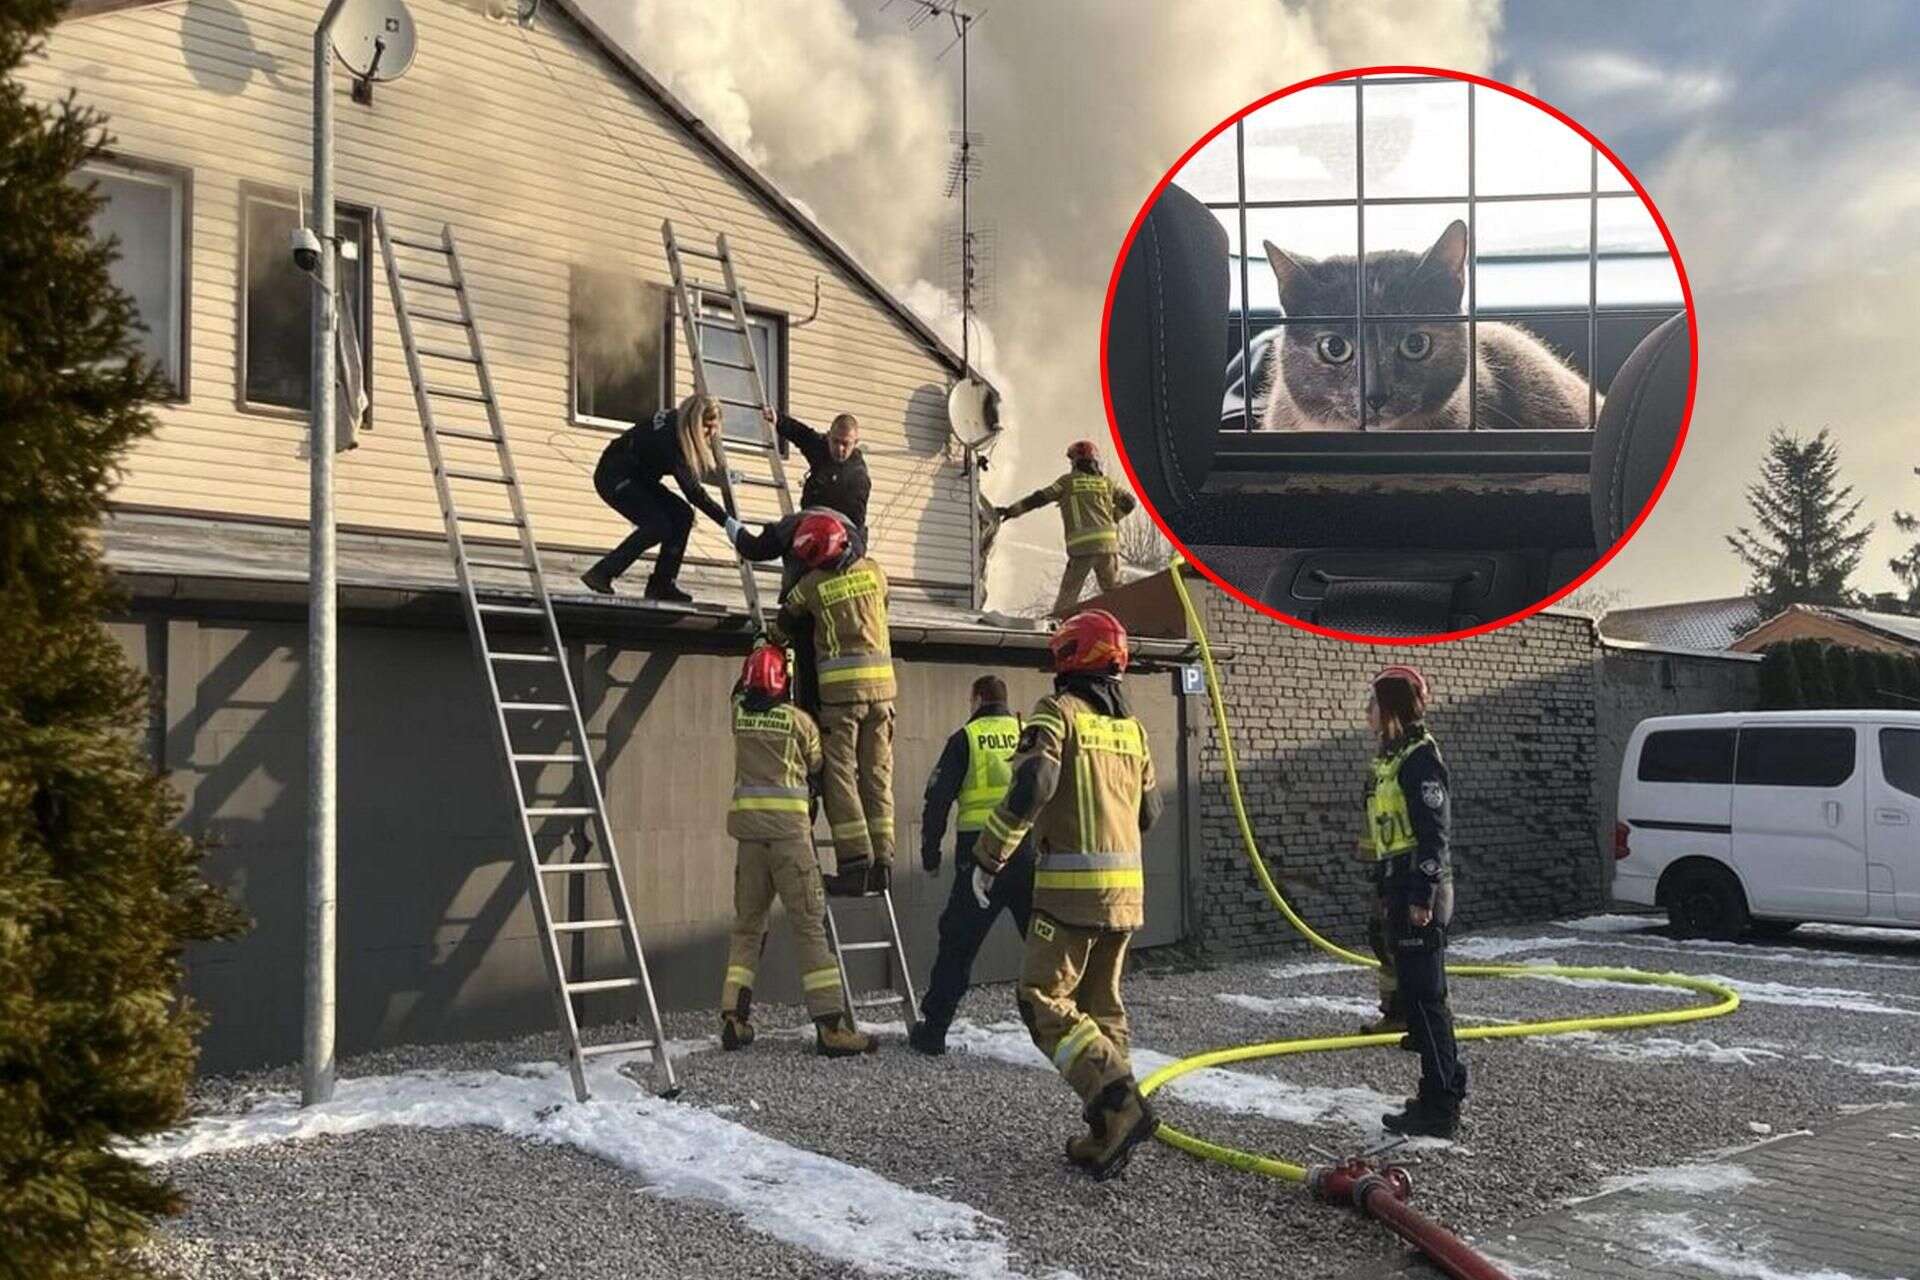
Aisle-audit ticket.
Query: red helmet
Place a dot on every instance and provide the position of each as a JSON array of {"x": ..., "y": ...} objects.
[
  {"x": 819, "y": 540},
  {"x": 766, "y": 671},
  {"x": 1083, "y": 451},
  {"x": 1401, "y": 671},
  {"x": 1090, "y": 641}
]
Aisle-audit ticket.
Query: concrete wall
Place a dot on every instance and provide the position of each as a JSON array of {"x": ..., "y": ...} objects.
[
  {"x": 437, "y": 940},
  {"x": 1633, "y": 684},
  {"x": 1515, "y": 715}
]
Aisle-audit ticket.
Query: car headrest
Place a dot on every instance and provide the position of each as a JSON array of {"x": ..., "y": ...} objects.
[
  {"x": 1645, "y": 409},
  {"x": 1167, "y": 348}
]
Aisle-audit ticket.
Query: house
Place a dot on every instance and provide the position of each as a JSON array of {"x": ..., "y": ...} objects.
[
  {"x": 555, "y": 157},
  {"x": 1851, "y": 628}
]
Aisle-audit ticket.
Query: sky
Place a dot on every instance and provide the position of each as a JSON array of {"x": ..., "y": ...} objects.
[{"x": 1779, "y": 138}]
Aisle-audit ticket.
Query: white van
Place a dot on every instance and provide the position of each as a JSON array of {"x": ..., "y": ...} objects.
[{"x": 1771, "y": 818}]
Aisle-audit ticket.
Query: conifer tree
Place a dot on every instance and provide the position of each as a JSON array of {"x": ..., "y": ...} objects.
[
  {"x": 98, "y": 891},
  {"x": 1804, "y": 544},
  {"x": 1779, "y": 679}
]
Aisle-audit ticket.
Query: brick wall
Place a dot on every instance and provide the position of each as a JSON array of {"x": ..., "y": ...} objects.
[{"x": 1515, "y": 714}]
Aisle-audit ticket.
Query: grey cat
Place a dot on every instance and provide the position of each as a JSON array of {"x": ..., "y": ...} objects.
[{"x": 1416, "y": 372}]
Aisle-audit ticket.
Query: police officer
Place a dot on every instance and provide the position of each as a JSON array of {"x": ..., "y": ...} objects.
[
  {"x": 974, "y": 771},
  {"x": 776, "y": 750},
  {"x": 1409, "y": 817},
  {"x": 1090, "y": 505},
  {"x": 844, "y": 597},
  {"x": 1083, "y": 782}
]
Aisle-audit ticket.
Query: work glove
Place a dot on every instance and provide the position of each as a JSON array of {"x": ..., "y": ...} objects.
[
  {"x": 982, "y": 887},
  {"x": 930, "y": 857},
  {"x": 733, "y": 528}
]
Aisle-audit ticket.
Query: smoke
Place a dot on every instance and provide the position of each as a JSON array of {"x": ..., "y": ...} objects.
[{"x": 1084, "y": 104}]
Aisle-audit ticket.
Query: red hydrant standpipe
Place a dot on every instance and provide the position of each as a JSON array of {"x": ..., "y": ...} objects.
[{"x": 1382, "y": 1193}]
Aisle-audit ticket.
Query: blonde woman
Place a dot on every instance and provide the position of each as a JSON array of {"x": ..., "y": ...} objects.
[{"x": 676, "y": 442}]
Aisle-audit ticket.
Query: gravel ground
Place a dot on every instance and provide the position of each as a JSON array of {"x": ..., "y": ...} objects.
[{"x": 1825, "y": 1015}]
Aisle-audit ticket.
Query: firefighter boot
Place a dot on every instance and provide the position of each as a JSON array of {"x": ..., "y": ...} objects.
[
  {"x": 736, "y": 1031},
  {"x": 1125, "y": 1121},
  {"x": 1083, "y": 1149},
  {"x": 835, "y": 1036}
]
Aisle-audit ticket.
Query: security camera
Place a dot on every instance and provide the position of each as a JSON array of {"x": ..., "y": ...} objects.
[{"x": 306, "y": 250}]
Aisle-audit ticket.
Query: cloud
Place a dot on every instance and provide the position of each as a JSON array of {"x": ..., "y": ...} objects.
[
  {"x": 1647, "y": 87},
  {"x": 1084, "y": 105}
]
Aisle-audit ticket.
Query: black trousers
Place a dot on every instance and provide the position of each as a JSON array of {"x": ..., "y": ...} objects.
[
  {"x": 1420, "y": 958},
  {"x": 660, "y": 518},
  {"x": 964, "y": 925}
]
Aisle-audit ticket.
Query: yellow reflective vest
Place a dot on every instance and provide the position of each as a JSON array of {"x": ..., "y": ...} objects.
[
  {"x": 991, "y": 741},
  {"x": 1090, "y": 506},
  {"x": 852, "y": 647},
  {"x": 1389, "y": 826},
  {"x": 774, "y": 752},
  {"x": 1087, "y": 834}
]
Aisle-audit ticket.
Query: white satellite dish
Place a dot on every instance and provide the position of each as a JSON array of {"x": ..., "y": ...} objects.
[
  {"x": 375, "y": 39},
  {"x": 973, "y": 413}
]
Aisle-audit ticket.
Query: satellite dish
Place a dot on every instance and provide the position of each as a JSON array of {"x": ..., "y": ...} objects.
[
  {"x": 973, "y": 413},
  {"x": 374, "y": 38}
]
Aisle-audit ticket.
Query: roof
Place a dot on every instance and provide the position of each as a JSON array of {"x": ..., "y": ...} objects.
[
  {"x": 1689, "y": 624},
  {"x": 162, "y": 556},
  {"x": 726, "y": 155},
  {"x": 1895, "y": 625},
  {"x": 1894, "y": 631}
]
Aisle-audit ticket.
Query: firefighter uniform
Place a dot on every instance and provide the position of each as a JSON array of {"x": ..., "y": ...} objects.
[
  {"x": 775, "y": 750},
  {"x": 1409, "y": 820},
  {"x": 1083, "y": 781},
  {"x": 847, "y": 607},
  {"x": 1090, "y": 508}
]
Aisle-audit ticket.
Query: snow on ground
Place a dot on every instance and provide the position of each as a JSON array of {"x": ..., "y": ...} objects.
[
  {"x": 831, "y": 1208},
  {"x": 1659, "y": 1049},
  {"x": 1678, "y": 1239},
  {"x": 1685, "y": 1179},
  {"x": 1299, "y": 1004}
]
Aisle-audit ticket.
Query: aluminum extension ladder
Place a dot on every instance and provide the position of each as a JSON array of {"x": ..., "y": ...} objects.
[
  {"x": 695, "y": 300},
  {"x": 461, "y": 378}
]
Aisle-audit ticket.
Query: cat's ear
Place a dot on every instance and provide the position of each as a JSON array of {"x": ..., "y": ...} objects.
[
  {"x": 1290, "y": 271},
  {"x": 1447, "y": 260}
]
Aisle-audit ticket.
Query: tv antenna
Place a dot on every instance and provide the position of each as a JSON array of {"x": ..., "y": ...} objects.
[{"x": 375, "y": 40}]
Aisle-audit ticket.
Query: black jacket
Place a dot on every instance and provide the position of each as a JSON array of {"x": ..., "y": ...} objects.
[
  {"x": 1412, "y": 878},
  {"x": 651, "y": 450},
  {"x": 776, "y": 540},
  {"x": 844, "y": 486},
  {"x": 943, "y": 788}
]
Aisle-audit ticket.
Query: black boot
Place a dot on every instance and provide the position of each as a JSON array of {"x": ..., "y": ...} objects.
[
  {"x": 880, "y": 877},
  {"x": 598, "y": 581},
  {"x": 1424, "y": 1118},
  {"x": 849, "y": 879},
  {"x": 659, "y": 588},
  {"x": 928, "y": 1037}
]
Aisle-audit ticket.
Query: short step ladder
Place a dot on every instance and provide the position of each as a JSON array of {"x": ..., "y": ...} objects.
[
  {"x": 707, "y": 308},
  {"x": 541, "y": 687},
  {"x": 902, "y": 977}
]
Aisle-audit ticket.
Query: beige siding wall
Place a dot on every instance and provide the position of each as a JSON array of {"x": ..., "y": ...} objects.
[{"x": 541, "y": 153}]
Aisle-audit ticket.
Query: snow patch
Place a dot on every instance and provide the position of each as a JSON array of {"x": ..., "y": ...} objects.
[
  {"x": 1677, "y": 1238},
  {"x": 1299, "y": 1004},
  {"x": 1659, "y": 1049},
  {"x": 826, "y": 1206}
]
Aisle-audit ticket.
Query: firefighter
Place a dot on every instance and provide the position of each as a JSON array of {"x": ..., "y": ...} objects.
[
  {"x": 1409, "y": 816},
  {"x": 775, "y": 542},
  {"x": 1090, "y": 506},
  {"x": 836, "y": 467},
  {"x": 1083, "y": 782},
  {"x": 776, "y": 750},
  {"x": 844, "y": 596},
  {"x": 974, "y": 771}
]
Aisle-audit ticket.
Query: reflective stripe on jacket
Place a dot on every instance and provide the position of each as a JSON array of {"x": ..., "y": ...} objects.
[
  {"x": 991, "y": 741},
  {"x": 774, "y": 753},
  {"x": 849, "y": 611}
]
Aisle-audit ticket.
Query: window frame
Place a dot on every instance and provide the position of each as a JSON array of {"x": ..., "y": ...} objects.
[
  {"x": 779, "y": 320},
  {"x": 595, "y": 421},
  {"x": 1477, "y": 449},
  {"x": 1880, "y": 740},
  {"x": 1749, "y": 730},
  {"x": 1732, "y": 755},
  {"x": 289, "y": 198},
  {"x": 140, "y": 168}
]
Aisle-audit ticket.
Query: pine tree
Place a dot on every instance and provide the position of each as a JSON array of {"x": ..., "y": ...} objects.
[
  {"x": 1907, "y": 567},
  {"x": 1805, "y": 546},
  {"x": 98, "y": 892},
  {"x": 1779, "y": 679}
]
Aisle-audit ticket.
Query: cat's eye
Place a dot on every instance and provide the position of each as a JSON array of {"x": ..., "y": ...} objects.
[
  {"x": 1416, "y": 346},
  {"x": 1334, "y": 349}
]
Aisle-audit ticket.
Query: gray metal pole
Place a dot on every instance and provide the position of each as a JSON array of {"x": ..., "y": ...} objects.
[{"x": 316, "y": 1061}]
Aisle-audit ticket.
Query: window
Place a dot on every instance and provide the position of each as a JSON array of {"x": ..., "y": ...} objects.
[
  {"x": 276, "y": 310},
  {"x": 1795, "y": 757},
  {"x": 1687, "y": 755},
  {"x": 1555, "y": 261},
  {"x": 726, "y": 380},
  {"x": 1900, "y": 759},
  {"x": 619, "y": 348},
  {"x": 146, "y": 210}
]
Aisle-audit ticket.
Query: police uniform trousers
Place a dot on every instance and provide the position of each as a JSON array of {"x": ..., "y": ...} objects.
[
  {"x": 783, "y": 868},
  {"x": 1070, "y": 999},
  {"x": 1420, "y": 963},
  {"x": 965, "y": 924},
  {"x": 857, "y": 779},
  {"x": 1103, "y": 565}
]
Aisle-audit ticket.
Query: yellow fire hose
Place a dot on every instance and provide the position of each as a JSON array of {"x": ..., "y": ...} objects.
[{"x": 1724, "y": 1001}]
